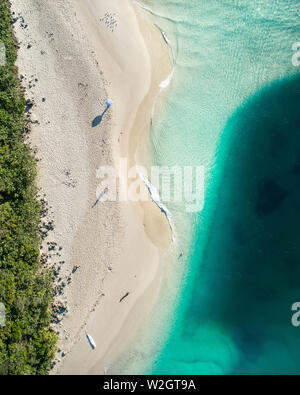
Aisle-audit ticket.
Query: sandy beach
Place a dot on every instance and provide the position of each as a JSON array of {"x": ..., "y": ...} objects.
[{"x": 74, "y": 55}]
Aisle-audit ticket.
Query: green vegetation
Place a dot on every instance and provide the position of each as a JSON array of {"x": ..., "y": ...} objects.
[{"x": 27, "y": 345}]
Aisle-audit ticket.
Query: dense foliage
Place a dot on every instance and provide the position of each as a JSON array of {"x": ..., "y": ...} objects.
[{"x": 27, "y": 345}]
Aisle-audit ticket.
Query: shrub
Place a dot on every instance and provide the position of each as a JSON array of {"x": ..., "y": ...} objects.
[{"x": 27, "y": 344}]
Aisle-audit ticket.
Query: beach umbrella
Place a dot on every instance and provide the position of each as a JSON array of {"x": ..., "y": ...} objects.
[{"x": 109, "y": 102}]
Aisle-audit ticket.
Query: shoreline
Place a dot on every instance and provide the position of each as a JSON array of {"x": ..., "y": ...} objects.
[{"x": 118, "y": 248}]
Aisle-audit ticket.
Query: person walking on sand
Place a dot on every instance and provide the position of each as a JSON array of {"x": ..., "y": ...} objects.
[{"x": 75, "y": 268}]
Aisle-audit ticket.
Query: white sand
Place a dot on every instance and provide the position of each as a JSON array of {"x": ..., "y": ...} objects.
[{"x": 79, "y": 62}]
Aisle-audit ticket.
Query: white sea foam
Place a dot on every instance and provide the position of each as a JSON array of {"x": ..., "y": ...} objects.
[
  {"x": 164, "y": 84},
  {"x": 154, "y": 194},
  {"x": 165, "y": 37}
]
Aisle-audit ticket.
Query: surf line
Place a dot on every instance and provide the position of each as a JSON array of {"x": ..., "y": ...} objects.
[
  {"x": 156, "y": 200},
  {"x": 148, "y": 9},
  {"x": 143, "y": 7},
  {"x": 164, "y": 84}
]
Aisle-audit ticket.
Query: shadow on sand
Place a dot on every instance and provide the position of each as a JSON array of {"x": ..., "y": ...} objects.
[{"x": 98, "y": 119}]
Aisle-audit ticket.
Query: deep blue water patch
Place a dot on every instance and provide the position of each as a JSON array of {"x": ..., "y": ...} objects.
[{"x": 252, "y": 261}]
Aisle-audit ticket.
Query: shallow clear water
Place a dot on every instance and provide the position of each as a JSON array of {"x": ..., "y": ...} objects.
[{"x": 231, "y": 108}]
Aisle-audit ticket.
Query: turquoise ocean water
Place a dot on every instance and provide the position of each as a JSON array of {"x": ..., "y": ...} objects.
[{"x": 233, "y": 106}]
